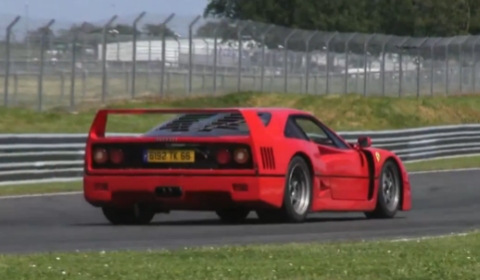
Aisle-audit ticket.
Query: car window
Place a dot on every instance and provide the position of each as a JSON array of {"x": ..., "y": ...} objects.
[
  {"x": 311, "y": 130},
  {"x": 338, "y": 142},
  {"x": 314, "y": 132},
  {"x": 292, "y": 130}
]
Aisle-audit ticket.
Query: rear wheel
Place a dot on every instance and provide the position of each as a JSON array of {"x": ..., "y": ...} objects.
[
  {"x": 136, "y": 215},
  {"x": 297, "y": 195},
  {"x": 389, "y": 190},
  {"x": 233, "y": 216}
]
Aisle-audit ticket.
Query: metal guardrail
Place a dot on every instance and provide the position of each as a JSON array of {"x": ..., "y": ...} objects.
[{"x": 37, "y": 158}]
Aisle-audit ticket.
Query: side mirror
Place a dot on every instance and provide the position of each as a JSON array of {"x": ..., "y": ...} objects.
[{"x": 364, "y": 141}]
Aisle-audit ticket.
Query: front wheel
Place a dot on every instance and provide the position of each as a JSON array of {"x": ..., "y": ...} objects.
[
  {"x": 136, "y": 215},
  {"x": 297, "y": 195},
  {"x": 389, "y": 190}
]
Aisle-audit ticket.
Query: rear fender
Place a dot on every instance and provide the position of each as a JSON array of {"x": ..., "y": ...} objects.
[
  {"x": 263, "y": 151},
  {"x": 271, "y": 151}
]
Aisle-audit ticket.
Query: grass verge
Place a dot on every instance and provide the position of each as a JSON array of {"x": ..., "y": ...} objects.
[
  {"x": 341, "y": 112},
  {"x": 444, "y": 164},
  {"x": 42, "y": 188},
  {"x": 439, "y": 164},
  {"x": 455, "y": 257}
]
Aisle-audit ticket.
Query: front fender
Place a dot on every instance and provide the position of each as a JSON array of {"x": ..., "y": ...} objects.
[{"x": 379, "y": 157}]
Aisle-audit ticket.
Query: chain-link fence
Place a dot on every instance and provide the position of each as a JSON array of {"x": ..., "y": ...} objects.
[{"x": 45, "y": 68}]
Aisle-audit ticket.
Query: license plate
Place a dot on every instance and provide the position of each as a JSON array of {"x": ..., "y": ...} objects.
[{"x": 170, "y": 156}]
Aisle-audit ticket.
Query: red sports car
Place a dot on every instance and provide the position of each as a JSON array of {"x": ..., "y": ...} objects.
[{"x": 281, "y": 163}]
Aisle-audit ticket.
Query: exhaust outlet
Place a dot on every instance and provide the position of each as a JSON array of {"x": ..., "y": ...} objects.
[{"x": 168, "y": 192}]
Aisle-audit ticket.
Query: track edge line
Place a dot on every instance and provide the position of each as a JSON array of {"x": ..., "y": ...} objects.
[
  {"x": 80, "y": 192},
  {"x": 39, "y": 195}
]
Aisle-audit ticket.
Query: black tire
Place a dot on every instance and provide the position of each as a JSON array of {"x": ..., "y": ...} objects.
[
  {"x": 288, "y": 213},
  {"x": 387, "y": 205},
  {"x": 136, "y": 215},
  {"x": 233, "y": 216}
]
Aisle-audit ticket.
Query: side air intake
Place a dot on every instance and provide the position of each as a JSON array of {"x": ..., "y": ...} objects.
[{"x": 268, "y": 159}]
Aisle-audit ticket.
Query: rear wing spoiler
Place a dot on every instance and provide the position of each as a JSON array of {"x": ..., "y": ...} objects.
[{"x": 97, "y": 130}]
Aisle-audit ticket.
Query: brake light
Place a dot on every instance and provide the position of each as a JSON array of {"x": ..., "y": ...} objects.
[
  {"x": 116, "y": 156},
  {"x": 241, "y": 156},
  {"x": 100, "y": 156},
  {"x": 223, "y": 156}
]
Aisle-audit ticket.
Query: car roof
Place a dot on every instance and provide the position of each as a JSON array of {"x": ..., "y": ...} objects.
[
  {"x": 281, "y": 112},
  {"x": 274, "y": 110}
]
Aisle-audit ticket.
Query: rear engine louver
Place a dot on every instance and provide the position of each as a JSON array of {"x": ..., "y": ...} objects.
[{"x": 268, "y": 159}]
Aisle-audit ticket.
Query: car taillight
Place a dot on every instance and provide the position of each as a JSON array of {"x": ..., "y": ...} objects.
[
  {"x": 100, "y": 156},
  {"x": 116, "y": 156},
  {"x": 223, "y": 156},
  {"x": 241, "y": 156}
]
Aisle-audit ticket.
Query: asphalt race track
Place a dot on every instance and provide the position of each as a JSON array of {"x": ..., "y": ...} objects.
[{"x": 442, "y": 203}]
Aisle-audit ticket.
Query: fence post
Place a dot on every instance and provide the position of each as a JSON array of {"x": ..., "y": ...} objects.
[
  {"x": 474, "y": 59},
  {"x": 45, "y": 33},
  {"x": 327, "y": 45},
  {"x": 418, "y": 65},
  {"x": 162, "y": 78},
  {"x": 447, "y": 66},
  {"x": 7, "y": 59},
  {"x": 190, "y": 53},
  {"x": 382, "y": 68},
  {"x": 432, "y": 55},
  {"x": 240, "y": 54},
  {"x": 104, "y": 56},
  {"x": 72, "y": 70},
  {"x": 347, "y": 43},
  {"x": 134, "y": 53},
  {"x": 460, "y": 58},
  {"x": 285, "y": 60},
  {"x": 400, "y": 69},
  {"x": 307, "y": 49},
  {"x": 222, "y": 23},
  {"x": 262, "y": 66},
  {"x": 73, "y": 67},
  {"x": 365, "y": 49},
  {"x": 215, "y": 53}
]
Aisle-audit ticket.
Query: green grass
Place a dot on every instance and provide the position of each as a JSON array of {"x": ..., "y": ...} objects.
[
  {"x": 341, "y": 112},
  {"x": 40, "y": 188},
  {"x": 439, "y": 164},
  {"x": 444, "y": 164},
  {"x": 456, "y": 257}
]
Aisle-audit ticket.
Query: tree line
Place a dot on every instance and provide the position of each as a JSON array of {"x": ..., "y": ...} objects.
[
  {"x": 432, "y": 18},
  {"x": 416, "y": 18}
]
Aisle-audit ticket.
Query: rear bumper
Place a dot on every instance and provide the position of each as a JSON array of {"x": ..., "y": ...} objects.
[{"x": 197, "y": 192}]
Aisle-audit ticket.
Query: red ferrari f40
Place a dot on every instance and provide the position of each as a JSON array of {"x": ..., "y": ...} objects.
[{"x": 281, "y": 163}]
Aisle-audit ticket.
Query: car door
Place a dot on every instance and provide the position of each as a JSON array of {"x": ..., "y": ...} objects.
[{"x": 345, "y": 167}]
